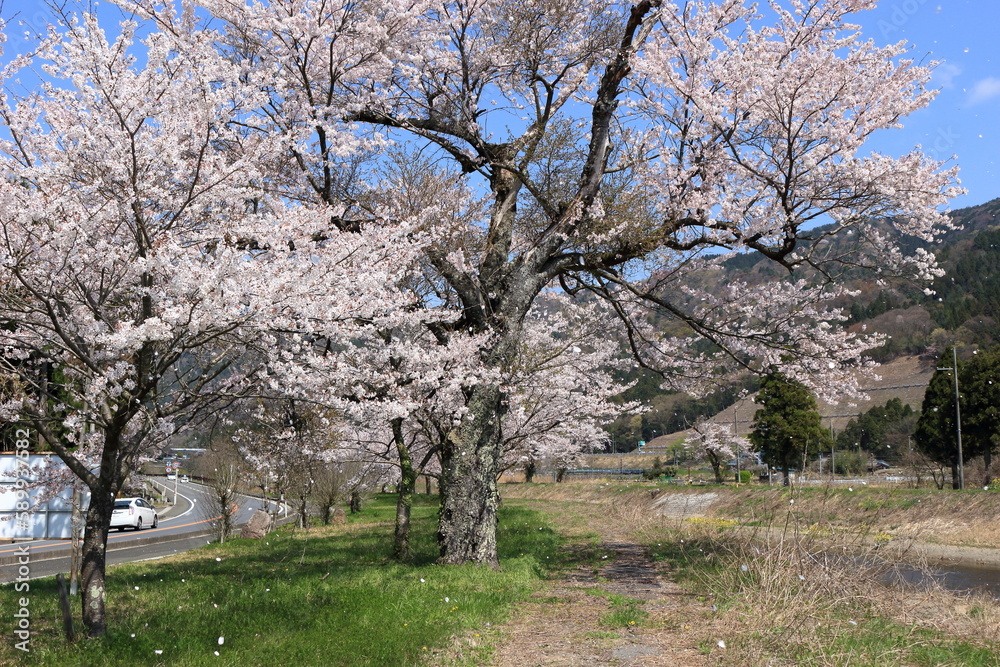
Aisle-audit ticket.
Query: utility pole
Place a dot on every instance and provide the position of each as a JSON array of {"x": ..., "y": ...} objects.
[
  {"x": 833, "y": 448},
  {"x": 736, "y": 435},
  {"x": 958, "y": 417},
  {"x": 958, "y": 421}
]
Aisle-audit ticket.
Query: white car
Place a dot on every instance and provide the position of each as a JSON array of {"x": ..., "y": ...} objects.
[
  {"x": 134, "y": 512},
  {"x": 171, "y": 476},
  {"x": 185, "y": 478}
]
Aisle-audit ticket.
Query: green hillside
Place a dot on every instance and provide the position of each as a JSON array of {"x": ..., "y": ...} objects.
[{"x": 964, "y": 308}]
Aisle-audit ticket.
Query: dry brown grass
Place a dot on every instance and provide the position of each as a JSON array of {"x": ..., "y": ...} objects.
[
  {"x": 941, "y": 517},
  {"x": 789, "y": 579},
  {"x": 782, "y": 592}
]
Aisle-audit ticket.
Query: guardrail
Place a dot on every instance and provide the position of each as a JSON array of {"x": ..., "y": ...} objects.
[{"x": 605, "y": 472}]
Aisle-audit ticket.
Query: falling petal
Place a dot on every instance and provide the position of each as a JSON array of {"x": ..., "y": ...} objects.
[
  {"x": 222, "y": 640},
  {"x": 722, "y": 644}
]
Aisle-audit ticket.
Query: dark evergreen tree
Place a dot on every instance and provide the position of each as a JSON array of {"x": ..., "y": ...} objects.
[
  {"x": 980, "y": 385},
  {"x": 876, "y": 430},
  {"x": 787, "y": 427},
  {"x": 936, "y": 434}
]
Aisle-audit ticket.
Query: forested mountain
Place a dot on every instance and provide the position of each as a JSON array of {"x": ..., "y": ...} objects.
[
  {"x": 965, "y": 302},
  {"x": 964, "y": 308}
]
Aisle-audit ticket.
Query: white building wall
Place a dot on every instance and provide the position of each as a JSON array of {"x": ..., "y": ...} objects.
[{"x": 43, "y": 520}]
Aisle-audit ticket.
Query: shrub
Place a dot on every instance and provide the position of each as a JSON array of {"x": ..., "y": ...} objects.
[
  {"x": 850, "y": 462},
  {"x": 659, "y": 470}
]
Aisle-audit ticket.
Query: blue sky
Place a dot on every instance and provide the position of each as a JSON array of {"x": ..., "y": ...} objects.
[{"x": 964, "y": 120}]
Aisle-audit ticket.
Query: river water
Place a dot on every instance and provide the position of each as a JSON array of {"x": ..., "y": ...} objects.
[{"x": 958, "y": 578}]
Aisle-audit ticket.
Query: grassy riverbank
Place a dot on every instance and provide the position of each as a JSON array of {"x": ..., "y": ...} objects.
[
  {"x": 956, "y": 518},
  {"x": 766, "y": 576}
]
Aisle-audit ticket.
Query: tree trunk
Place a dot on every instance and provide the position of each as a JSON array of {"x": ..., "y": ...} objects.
[
  {"x": 404, "y": 494},
  {"x": 716, "y": 467},
  {"x": 529, "y": 471},
  {"x": 404, "y": 500},
  {"x": 303, "y": 512},
  {"x": 93, "y": 557},
  {"x": 987, "y": 462},
  {"x": 355, "y": 501},
  {"x": 471, "y": 452},
  {"x": 786, "y": 472},
  {"x": 278, "y": 504},
  {"x": 469, "y": 500},
  {"x": 94, "y": 561}
]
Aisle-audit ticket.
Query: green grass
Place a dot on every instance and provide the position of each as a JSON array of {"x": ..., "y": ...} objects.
[
  {"x": 623, "y": 611},
  {"x": 879, "y": 642},
  {"x": 296, "y": 599}
]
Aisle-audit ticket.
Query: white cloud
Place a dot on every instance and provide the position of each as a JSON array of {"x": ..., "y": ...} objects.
[
  {"x": 945, "y": 75},
  {"x": 985, "y": 89}
]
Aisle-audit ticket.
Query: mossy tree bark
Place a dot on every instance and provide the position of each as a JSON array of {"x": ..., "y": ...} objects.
[{"x": 404, "y": 493}]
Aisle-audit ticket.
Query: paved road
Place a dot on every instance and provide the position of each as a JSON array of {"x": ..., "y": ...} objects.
[{"x": 183, "y": 526}]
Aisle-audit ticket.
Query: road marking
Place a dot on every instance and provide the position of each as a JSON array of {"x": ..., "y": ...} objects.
[
  {"x": 66, "y": 541},
  {"x": 187, "y": 511}
]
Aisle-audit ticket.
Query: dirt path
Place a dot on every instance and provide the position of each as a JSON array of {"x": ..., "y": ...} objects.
[
  {"x": 568, "y": 624},
  {"x": 571, "y": 622},
  {"x": 576, "y": 621}
]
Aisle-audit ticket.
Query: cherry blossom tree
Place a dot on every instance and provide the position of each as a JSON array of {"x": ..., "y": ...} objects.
[
  {"x": 620, "y": 150},
  {"x": 395, "y": 388},
  {"x": 400, "y": 391},
  {"x": 280, "y": 447},
  {"x": 717, "y": 444},
  {"x": 561, "y": 390},
  {"x": 140, "y": 255}
]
